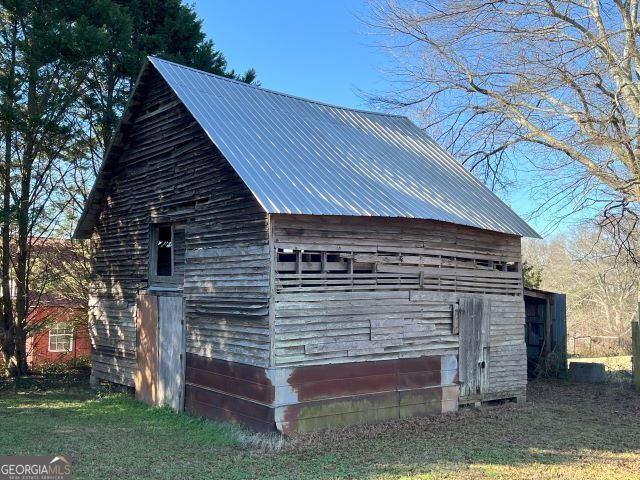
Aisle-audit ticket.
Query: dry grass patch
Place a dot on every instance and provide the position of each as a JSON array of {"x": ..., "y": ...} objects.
[
  {"x": 612, "y": 364},
  {"x": 565, "y": 431}
]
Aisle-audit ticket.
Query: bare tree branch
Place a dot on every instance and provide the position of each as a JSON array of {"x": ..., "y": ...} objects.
[{"x": 500, "y": 81}]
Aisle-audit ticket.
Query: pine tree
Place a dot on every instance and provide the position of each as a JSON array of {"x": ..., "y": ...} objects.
[
  {"x": 47, "y": 48},
  {"x": 164, "y": 28},
  {"x": 67, "y": 68}
]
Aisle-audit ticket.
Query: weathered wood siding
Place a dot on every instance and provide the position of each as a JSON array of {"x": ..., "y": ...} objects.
[
  {"x": 376, "y": 289},
  {"x": 169, "y": 171}
]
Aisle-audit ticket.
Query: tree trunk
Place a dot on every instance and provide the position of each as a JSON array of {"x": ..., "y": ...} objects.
[
  {"x": 23, "y": 243},
  {"x": 22, "y": 285},
  {"x": 8, "y": 332},
  {"x": 7, "y": 339}
]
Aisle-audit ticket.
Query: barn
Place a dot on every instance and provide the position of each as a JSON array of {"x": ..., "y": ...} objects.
[{"x": 292, "y": 265}]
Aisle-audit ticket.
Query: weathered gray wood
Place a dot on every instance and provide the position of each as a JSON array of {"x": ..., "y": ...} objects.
[
  {"x": 169, "y": 171},
  {"x": 635, "y": 351},
  {"x": 473, "y": 357},
  {"x": 373, "y": 289},
  {"x": 171, "y": 354},
  {"x": 403, "y": 306},
  {"x": 455, "y": 327}
]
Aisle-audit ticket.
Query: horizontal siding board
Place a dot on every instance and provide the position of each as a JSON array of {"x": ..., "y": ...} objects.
[
  {"x": 169, "y": 171},
  {"x": 403, "y": 308}
]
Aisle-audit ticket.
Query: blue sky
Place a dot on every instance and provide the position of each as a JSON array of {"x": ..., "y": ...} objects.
[{"x": 320, "y": 50}]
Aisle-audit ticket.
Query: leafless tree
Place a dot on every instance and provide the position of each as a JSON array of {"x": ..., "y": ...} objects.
[{"x": 555, "y": 82}]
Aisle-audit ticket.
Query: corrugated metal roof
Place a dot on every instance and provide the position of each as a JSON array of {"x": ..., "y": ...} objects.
[{"x": 307, "y": 157}]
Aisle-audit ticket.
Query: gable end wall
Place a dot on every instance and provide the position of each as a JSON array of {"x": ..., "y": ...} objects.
[{"x": 170, "y": 171}]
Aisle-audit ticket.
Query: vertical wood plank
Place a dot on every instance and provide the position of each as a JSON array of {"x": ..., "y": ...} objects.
[
  {"x": 635, "y": 340},
  {"x": 455, "y": 319},
  {"x": 273, "y": 261},
  {"x": 171, "y": 356},
  {"x": 146, "y": 375},
  {"x": 474, "y": 325}
]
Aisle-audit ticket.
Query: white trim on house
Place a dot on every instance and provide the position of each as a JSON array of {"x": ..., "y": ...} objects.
[{"x": 58, "y": 338}]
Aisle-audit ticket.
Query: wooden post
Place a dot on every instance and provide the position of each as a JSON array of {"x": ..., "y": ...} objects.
[
  {"x": 635, "y": 353},
  {"x": 547, "y": 325}
]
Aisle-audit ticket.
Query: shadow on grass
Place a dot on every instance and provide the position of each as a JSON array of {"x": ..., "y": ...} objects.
[
  {"x": 69, "y": 379},
  {"x": 67, "y": 395},
  {"x": 565, "y": 431}
]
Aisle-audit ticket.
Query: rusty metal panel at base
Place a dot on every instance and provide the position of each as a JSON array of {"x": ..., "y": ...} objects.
[
  {"x": 305, "y": 398},
  {"x": 358, "y": 409},
  {"x": 230, "y": 391},
  {"x": 338, "y": 380},
  {"x": 233, "y": 378},
  {"x": 146, "y": 378},
  {"x": 335, "y": 395},
  {"x": 221, "y": 406}
]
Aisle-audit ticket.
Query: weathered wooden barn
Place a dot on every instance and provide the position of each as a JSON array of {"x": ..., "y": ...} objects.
[{"x": 294, "y": 265}]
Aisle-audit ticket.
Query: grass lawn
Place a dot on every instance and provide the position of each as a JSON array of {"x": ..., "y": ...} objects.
[{"x": 566, "y": 430}]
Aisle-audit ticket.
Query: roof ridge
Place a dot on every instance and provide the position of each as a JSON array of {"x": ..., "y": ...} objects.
[{"x": 275, "y": 92}]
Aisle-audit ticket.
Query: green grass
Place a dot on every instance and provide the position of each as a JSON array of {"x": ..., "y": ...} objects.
[{"x": 566, "y": 430}]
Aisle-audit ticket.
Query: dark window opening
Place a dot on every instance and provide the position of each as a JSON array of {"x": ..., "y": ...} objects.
[
  {"x": 506, "y": 266},
  {"x": 152, "y": 108},
  {"x": 301, "y": 261},
  {"x": 513, "y": 267},
  {"x": 333, "y": 257},
  {"x": 164, "y": 252}
]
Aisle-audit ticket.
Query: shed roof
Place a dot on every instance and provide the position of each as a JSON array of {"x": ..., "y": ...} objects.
[{"x": 300, "y": 156}]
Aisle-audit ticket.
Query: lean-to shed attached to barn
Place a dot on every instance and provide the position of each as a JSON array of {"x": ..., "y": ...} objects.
[{"x": 294, "y": 265}]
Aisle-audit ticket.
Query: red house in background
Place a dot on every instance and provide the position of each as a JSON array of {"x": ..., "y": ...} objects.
[
  {"x": 57, "y": 327},
  {"x": 64, "y": 339}
]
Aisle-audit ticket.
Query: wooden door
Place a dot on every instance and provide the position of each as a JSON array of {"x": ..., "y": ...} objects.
[
  {"x": 146, "y": 378},
  {"x": 171, "y": 355},
  {"x": 473, "y": 358}
]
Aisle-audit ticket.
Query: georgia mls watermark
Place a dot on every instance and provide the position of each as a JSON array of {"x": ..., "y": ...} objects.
[{"x": 34, "y": 468}]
